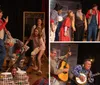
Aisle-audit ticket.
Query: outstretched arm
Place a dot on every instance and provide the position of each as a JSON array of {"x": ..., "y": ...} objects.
[
  {"x": 28, "y": 41},
  {"x": 2, "y": 26}
]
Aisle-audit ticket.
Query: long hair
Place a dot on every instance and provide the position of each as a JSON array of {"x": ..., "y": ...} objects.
[
  {"x": 42, "y": 25},
  {"x": 39, "y": 33},
  {"x": 70, "y": 11}
]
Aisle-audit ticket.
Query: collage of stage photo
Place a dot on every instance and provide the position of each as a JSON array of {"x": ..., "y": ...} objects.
[
  {"x": 74, "y": 38},
  {"x": 24, "y": 42},
  {"x": 49, "y": 42}
]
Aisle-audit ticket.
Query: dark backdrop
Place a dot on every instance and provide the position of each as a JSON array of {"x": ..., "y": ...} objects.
[
  {"x": 15, "y": 8},
  {"x": 87, "y": 4},
  {"x": 90, "y": 50}
]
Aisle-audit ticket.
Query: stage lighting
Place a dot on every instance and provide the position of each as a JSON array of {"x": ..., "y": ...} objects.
[{"x": 92, "y": 60}]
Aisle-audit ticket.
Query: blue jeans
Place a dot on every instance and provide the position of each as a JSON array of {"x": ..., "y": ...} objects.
[
  {"x": 57, "y": 31},
  {"x": 92, "y": 32},
  {"x": 2, "y": 53}
]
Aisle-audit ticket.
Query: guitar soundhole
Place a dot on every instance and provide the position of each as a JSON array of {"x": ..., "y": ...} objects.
[
  {"x": 64, "y": 66},
  {"x": 64, "y": 72}
]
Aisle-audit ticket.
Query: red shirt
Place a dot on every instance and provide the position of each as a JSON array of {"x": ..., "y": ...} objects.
[
  {"x": 51, "y": 21},
  {"x": 67, "y": 22},
  {"x": 2, "y": 24},
  {"x": 88, "y": 15}
]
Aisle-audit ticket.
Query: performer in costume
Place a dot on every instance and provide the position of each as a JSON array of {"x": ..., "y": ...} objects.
[
  {"x": 54, "y": 20},
  {"x": 2, "y": 32},
  {"x": 60, "y": 20},
  {"x": 65, "y": 30},
  {"x": 93, "y": 17},
  {"x": 80, "y": 24},
  {"x": 85, "y": 68},
  {"x": 54, "y": 68},
  {"x": 39, "y": 48}
]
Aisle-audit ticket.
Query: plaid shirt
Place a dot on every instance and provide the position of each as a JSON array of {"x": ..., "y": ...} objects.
[{"x": 80, "y": 69}]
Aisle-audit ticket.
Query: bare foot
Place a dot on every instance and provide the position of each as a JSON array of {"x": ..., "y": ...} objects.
[
  {"x": 35, "y": 68},
  {"x": 39, "y": 72}
]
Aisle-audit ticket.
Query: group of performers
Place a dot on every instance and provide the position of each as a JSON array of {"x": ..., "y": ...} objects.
[
  {"x": 73, "y": 26},
  {"x": 59, "y": 71},
  {"x": 15, "y": 47}
]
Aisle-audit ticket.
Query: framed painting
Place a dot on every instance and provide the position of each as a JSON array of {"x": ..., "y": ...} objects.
[{"x": 29, "y": 20}]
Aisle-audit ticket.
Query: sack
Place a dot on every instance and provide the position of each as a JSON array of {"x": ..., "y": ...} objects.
[{"x": 35, "y": 51}]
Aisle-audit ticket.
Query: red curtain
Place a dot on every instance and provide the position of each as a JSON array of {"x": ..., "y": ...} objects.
[
  {"x": 45, "y": 8},
  {"x": 43, "y": 5}
]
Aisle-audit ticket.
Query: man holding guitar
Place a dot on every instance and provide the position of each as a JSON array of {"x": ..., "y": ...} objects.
[
  {"x": 82, "y": 74},
  {"x": 2, "y": 31},
  {"x": 54, "y": 69}
]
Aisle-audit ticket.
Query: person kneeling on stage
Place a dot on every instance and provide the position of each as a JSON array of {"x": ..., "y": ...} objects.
[
  {"x": 78, "y": 70},
  {"x": 2, "y": 34},
  {"x": 14, "y": 49}
]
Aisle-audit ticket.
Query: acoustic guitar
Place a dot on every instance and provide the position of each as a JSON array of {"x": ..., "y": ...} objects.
[
  {"x": 64, "y": 76},
  {"x": 78, "y": 81}
]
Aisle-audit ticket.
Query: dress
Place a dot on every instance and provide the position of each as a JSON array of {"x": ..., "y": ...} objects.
[
  {"x": 38, "y": 45},
  {"x": 66, "y": 23}
]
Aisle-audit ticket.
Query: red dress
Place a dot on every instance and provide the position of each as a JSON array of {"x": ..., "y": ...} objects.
[{"x": 66, "y": 23}]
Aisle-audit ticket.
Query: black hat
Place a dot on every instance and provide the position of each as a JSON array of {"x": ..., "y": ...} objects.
[
  {"x": 79, "y": 7},
  {"x": 58, "y": 7}
]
